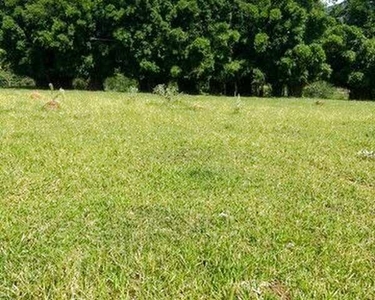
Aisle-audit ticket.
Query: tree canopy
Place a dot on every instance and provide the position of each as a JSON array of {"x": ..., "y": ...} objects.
[{"x": 204, "y": 46}]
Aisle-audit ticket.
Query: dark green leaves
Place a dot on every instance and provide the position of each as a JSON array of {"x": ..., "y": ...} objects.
[{"x": 216, "y": 46}]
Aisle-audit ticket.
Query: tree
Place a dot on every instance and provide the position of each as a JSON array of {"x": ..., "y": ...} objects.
[
  {"x": 349, "y": 54},
  {"x": 215, "y": 46},
  {"x": 301, "y": 65},
  {"x": 45, "y": 39},
  {"x": 360, "y": 13}
]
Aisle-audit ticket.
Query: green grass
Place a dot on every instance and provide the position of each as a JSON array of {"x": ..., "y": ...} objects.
[{"x": 118, "y": 198}]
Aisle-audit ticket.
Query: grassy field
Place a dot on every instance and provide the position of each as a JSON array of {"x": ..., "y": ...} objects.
[{"x": 116, "y": 197}]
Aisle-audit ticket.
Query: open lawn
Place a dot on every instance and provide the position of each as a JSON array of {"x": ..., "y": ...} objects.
[{"x": 116, "y": 196}]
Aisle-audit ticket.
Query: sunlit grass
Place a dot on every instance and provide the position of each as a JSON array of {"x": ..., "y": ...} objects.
[{"x": 115, "y": 196}]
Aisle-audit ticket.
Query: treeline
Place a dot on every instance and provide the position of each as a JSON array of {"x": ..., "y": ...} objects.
[{"x": 204, "y": 46}]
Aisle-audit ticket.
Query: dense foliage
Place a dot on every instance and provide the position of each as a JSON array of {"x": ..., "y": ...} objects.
[{"x": 211, "y": 46}]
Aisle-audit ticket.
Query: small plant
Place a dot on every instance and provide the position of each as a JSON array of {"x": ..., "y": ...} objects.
[
  {"x": 160, "y": 90},
  {"x": 54, "y": 104},
  {"x": 168, "y": 92},
  {"x": 238, "y": 104},
  {"x": 366, "y": 154},
  {"x": 120, "y": 83},
  {"x": 133, "y": 91}
]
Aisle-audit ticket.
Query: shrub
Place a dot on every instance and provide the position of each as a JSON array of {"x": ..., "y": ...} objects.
[
  {"x": 341, "y": 94},
  {"x": 160, "y": 90},
  {"x": 320, "y": 89},
  {"x": 238, "y": 104},
  {"x": 24, "y": 82},
  {"x": 5, "y": 78},
  {"x": 166, "y": 91},
  {"x": 80, "y": 84},
  {"x": 120, "y": 83},
  {"x": 133, "y": 90},
  {"x": 267, "y": 90},
  {"x": 10, "y": 80}
]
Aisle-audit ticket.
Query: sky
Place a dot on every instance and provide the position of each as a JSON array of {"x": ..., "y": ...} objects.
[{"x": 331, "y": 1}]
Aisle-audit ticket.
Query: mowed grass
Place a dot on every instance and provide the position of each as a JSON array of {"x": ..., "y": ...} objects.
[{"x": 116, "y": 197}]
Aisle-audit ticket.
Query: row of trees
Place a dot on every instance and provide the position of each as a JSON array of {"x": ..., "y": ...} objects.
[{"x": 213, "y": 46}]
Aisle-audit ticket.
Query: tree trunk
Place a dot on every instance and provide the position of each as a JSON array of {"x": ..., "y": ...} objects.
[
  {"x": 235, "y": 89},
  {"x": 58, "y": 82},
  {"x": 65, "y": 83},
  {"x": 359, "y": 94},
  {"x": 277, "y": 90},
  {"x": 96, "y": 84},
  {"x": 295, "y": 91},
  {"x": 41, "y": 83}
]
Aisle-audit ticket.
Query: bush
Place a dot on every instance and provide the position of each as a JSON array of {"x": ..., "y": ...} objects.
[
  {"x": 167, "y": 92},
  {"x": 267, "y": 90},
  {"x": 80, "y": 84},
  {"x": 324, "y": 90},
  {"x": 5, "y": 78},
  {"x": 319, "y": 89},
  {"x": 10, "y": 80},
  {"x": 160, "y": 90},
  {"x": 25, "y": 82},
  {"x": 120, "y": 83},
  {"x": 341, "y": 94}
]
